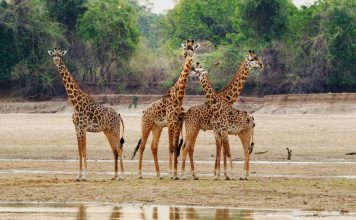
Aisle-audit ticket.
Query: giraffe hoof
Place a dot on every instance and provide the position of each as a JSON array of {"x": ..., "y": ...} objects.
[
  {"x": 78, "y": 180},
  {"x": 195, "y": 178},
  {"x": 120, "y": 179},
  {"x": 176, "y": 178},
  {"x": 84, "y": 180},
  {"x": 243, "y": 178},
  {"x": 114, "y": 178},
  {"x": 227, "y": 178},
  {"x": 140, "y": 177}
]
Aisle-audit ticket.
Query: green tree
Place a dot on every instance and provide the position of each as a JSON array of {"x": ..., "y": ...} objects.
[
  {"x": 339, "y": 25},
  {"x": 28, "y": 32},
  {"x": 263, "y": 19},
  {"x": 110, "y": 27},
  {"x": 199, "y": 19},
  {"x": 66, "y": 11}
]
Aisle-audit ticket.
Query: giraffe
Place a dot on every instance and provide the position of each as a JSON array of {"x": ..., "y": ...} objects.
[
  {"x": 89, "y": 116},
  {"x": 226, "y": 120},
  {"x": 166, "y": 112},
  {"x": 198, "y": 117}
]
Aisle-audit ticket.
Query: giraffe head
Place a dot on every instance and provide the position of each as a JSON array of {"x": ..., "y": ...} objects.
[
  {"x": 253, "y": 61},
  {"x": 189, "y": 48},
  {"x": 57, "y": 54},
  {"x": 198, "y": 71}
]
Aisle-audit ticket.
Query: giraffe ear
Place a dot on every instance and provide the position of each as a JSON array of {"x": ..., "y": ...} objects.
[
  {"x": 63, "y": 52},
  {"x": 50, "y": 53}
]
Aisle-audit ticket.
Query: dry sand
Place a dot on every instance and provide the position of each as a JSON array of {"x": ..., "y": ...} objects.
[{"x": 312, "y": 137}]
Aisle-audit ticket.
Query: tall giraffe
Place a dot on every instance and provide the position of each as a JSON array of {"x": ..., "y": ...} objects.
[
  {"x": 166, "y": 112},
  {"x": 198, "y": 117},
  {"x": 89, "y": 116}
]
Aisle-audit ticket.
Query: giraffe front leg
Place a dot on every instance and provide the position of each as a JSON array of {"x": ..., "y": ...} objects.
[
  {"x": 84, "y": 153},
  {"x": 217, "y": 158},
  {"x": 81, "y": 142}
]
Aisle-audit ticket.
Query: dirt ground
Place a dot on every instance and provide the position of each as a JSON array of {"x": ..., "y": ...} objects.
[{"x": 326, "y": 182}]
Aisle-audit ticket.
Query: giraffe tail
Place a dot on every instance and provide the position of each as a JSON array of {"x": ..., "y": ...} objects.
[
  {"x": 252, "y": 144},
  {"x": 179, "y": 147},
  {"x": 136, "y": 149},
  {"x": 122, "y": 140}
]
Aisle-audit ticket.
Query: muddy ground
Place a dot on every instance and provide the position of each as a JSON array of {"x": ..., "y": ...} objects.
[{"x": 327, "y": 182}]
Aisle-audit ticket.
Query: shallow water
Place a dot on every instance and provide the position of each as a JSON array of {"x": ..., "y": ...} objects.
[{"x": 87, "y": 211}]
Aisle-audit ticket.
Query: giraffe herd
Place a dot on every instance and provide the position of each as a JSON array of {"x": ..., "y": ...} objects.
[{"x": 216, "y": 114}]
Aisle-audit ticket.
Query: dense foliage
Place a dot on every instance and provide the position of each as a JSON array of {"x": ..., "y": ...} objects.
[{"x": 120, "y": 46}]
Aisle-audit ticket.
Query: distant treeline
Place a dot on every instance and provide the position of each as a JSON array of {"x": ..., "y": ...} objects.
[{"x": 120, "y": 46}]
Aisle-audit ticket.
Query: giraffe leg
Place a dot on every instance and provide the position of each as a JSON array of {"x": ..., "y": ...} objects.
[
  {"x": 117, "y": 151},
  {"x": 191, "y": 137},
  {"x": 84, "y": 154},
  {"x": 225, "y": 165},
  {"x": 227, "y": 153},
  {"x": 184, "y": 156},
  {"x": 116, "y": 157},
  {"x": 146, "y": 129},
  {"x": 171, "y": 149},
  {"x": 120, "y": 155},
  {"x": 245, "y": 137},
  {"x": 156, "y": 133},
  {"x": 177, "y": 129},
  {"x": 81, "y": 142},
  {"x": 191, "y": 159},
  {"x": 217, "y": 158}
]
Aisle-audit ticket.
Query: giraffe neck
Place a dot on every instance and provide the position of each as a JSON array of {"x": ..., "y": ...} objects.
[
  {"x": 181, "y": 83},
  {"x": 233, "y": 90},
  {"x": 209, "y": 91},
  {"x": 70, "y": 85}
]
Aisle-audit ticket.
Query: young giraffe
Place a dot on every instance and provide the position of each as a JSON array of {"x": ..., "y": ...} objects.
[
  {"x": 89, "y": 116},
  {"x": 226, "y": 120},
  {"x": 198, "y": 117},
  {"x": 166, "y": 112}
]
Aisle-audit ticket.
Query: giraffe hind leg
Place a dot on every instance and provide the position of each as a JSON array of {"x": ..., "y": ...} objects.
[
  {"x": 245, "y": 138},
  {"x": 156, "y": 133},
  {"x": 227, "y": 154},
  {"x": 146, "y": 129},
  {"x": 113, "y": 139}
]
